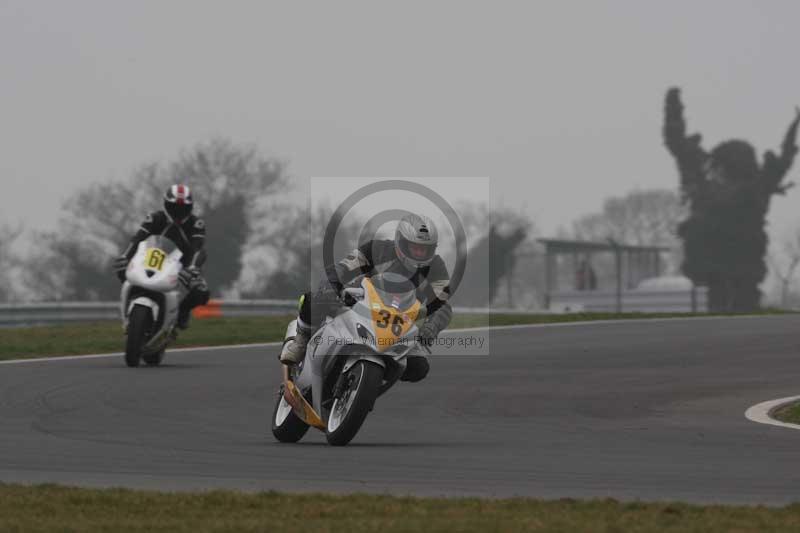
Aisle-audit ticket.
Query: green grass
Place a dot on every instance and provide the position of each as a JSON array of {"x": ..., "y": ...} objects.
[
  {"x": 789, "y": 413},
  {"x": 102, "y": 337},
  {"x": 53, "y": 508}
]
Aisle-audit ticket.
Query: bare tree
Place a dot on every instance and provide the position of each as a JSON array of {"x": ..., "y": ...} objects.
[
  {"x": 785, "y": 269},
  {"x": 8, "y": 262},
  {"x": 288, "y": 262},
  {"x": 494, "y": 236},
  {"x": 227, "y": 180},
  {"x": 642, "y": 217},
  {"x": 287, "y": 246},
  {"x": 477, "y": 218}
]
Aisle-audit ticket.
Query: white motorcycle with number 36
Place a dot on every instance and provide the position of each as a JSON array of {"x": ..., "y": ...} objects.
[
  {"x": 355, "y": 357},
  {"x": 150, "y": 298}
]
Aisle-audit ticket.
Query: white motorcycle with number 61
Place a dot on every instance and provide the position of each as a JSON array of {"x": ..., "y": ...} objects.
[{"x": 150, "y": 299}]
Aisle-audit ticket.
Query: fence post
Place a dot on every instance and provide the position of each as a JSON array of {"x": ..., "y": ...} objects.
[
  {"x": 618, "y": 265},
  {"x": 509, "y": 280},
  {"x": 548, "y": 275}
]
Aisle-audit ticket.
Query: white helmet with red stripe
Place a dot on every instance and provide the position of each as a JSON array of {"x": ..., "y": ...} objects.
[{"x": 178, "y": 202}]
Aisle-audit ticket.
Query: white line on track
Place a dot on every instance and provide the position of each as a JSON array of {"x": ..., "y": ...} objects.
[
  {"x": 608, "y": 322},
  {"x": 117, "y": 354},
  {"x": 760, "y": 412},
  {"x": 463, "y": 330}
]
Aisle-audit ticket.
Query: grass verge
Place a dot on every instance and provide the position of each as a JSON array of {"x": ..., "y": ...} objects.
[
  {"x": 102, "y": 337},
  {"x": 55, "y": 508},
  {"x": 789, "y": 413}
]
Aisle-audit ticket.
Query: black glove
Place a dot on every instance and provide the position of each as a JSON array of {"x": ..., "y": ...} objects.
[
  {"x": 119, "y": 265},
  {"x": 351, "y": 295},
  {"x": 188, "y": 275},
  {"x": 427, "y": 334}
]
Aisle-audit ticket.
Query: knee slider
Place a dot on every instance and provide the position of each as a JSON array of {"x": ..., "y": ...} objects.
[{"x": 416, "y": 369}]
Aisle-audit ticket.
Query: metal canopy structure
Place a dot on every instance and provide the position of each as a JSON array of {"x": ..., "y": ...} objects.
[{"x": 631, "y": 262}]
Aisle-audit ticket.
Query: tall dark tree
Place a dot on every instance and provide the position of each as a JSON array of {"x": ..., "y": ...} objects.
[
  {"x": 728, "y": 193},
  {"x": 489, "y": 261},
  {"x": 494, "y": 236}
]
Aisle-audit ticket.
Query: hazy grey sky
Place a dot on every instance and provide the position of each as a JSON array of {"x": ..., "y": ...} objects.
[{"x": 559, "y": 102}]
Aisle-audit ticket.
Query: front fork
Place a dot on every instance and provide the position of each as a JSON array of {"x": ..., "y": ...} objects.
[{"x": 341, "y": 385}]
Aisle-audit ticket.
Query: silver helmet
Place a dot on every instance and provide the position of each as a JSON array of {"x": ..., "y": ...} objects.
[{"x": 415, "y": 241}]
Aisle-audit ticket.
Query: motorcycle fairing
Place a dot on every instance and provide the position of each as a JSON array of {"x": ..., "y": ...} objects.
[
  {"x": 300, "y": 406},
  {"x": 339, "y": 335},
  {"x": 390, "y": 322},
  {"x": 152, "y": 281}
]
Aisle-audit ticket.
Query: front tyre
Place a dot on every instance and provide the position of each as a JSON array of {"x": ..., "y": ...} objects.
[
  {"x": 286, "y": 426},
  {"x": 154, "y": 359},
  {"x": 351, "y": 408},
  {"x": 139, "y": 323}
]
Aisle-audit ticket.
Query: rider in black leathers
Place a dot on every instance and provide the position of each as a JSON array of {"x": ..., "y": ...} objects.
[{"x": 188, "y": 231}]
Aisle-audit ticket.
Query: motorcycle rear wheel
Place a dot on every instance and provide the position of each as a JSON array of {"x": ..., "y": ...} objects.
[
  {"x": 350, "y": 410},
  {"x": 139, "y": 323}
]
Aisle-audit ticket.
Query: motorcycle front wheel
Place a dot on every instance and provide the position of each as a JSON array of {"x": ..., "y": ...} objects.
[
  {"x": 286, "y": 426},
  {"x": 139, "y": 323},
  {"x": 349, "y": 411}
]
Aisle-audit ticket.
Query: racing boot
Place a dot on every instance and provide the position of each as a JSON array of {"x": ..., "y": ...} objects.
[
  {"x": 294, "y": 348},
  {"x": 184, "y": 316}
]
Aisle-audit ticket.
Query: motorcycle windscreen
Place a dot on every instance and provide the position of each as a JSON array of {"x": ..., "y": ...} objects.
[
  {"x": 395, "y": 290},
  {"x": 157, "y": 249}
]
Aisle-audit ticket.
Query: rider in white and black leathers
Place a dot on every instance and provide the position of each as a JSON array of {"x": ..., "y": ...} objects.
[
  {"x": 188, "y": 232},
  {"x": 412, "y": 254}
]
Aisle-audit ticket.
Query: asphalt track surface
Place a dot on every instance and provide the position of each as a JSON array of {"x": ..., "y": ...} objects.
[{"x": 649, "y": 410}]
